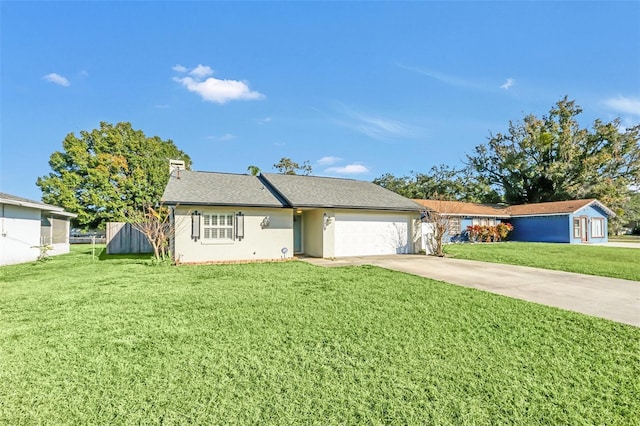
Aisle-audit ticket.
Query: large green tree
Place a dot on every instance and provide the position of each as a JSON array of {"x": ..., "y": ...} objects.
[
  {"x": 106, "y": 172},
  {"x": 553, "y": 158}
]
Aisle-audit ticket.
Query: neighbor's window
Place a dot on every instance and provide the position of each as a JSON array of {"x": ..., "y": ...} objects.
[
  {"x": 483, "y": 221},
  {"x": 217, "y": 226},
  {"x": 454, "y": 225},
  {"x": 576, "y": 228},
  {"x": 597, "y": 228}
]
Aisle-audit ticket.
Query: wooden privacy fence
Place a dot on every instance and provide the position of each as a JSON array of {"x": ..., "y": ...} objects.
[{"x": 123, "y": 238}]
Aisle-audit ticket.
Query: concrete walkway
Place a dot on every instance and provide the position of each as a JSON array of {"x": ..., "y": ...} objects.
[
  {"x": 610, "y": 298},
  {"x": 620, "y": 244}
]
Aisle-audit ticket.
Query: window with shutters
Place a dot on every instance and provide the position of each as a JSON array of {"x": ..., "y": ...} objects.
[{"x": 217, "y": 227}]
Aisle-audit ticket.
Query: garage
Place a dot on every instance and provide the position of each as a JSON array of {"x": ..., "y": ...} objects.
[{"x": 361, "y": 234}]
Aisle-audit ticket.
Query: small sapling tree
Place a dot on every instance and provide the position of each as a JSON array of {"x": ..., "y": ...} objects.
[{"x": 155, "y": 224}]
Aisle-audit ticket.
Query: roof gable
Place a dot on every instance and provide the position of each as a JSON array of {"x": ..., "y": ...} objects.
[
  {"x": 315, "y": 191},
  {"x": 223, "y": 189}
]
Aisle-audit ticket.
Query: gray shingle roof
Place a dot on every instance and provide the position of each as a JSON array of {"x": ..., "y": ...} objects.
[
  {"x": 313, "y": 191},
  {"x": 222, "y": 189},
  {"x": 273, "y": 190}
]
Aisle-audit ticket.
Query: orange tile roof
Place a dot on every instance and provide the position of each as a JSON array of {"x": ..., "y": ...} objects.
[
  {"x": 554, "y": 207},
  {"x": 459, "y": 208}
]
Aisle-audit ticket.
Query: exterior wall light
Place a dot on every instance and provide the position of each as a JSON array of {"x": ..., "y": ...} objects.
[{"x": 325, "y": 220}]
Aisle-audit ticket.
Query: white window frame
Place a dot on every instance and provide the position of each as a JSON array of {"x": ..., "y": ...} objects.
[
  {"x": 214, "y": 231},
  {"x": 454, "y": 226},
  {"x": 597, "y": 233}
]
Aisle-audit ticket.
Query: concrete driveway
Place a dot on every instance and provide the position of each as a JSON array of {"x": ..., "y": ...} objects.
[{"x": 610, "y": 298}]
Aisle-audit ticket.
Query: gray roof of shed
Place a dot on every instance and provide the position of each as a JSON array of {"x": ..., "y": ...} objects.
[
  {"x": 314, "y": 191},
  {"x": 220, "y": 189}
]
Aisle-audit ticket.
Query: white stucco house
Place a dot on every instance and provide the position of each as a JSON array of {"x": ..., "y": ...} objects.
[
  {"x": 26, "y": 224},
  {"x": 222, "y": 217}
]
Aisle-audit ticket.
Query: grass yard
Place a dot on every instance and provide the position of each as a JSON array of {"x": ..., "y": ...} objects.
[
  {"x": 612, "y": 262},
  {"x": 117, "y": 341}
]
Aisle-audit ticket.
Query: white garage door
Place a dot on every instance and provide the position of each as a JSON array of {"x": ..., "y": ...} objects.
[{"x": 370, "y": 234}]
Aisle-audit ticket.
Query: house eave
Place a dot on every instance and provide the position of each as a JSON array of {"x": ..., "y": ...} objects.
[
  {"x": 542, "y": 214},
  {"x": 348, "y": 207},
  {"x": 47, "y": 208},
  {"x": 473, "y": 215}
]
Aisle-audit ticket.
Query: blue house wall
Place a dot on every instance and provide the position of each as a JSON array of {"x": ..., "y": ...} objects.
[
  {"x": 559, "y": 228},
  {"x": 591, "y": 212},
  {"x": 543, "y": 229}
]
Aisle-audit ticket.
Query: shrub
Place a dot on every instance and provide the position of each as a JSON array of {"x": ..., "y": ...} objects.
[{"x": 488, "y": 234}]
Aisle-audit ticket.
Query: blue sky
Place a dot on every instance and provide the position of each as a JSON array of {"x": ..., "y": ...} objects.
[{"x": 356, "y": 88}]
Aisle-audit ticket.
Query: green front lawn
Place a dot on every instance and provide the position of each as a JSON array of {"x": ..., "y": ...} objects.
[
  {"x": 117, "y": 341},
  {"x": 612, "y": 262}
]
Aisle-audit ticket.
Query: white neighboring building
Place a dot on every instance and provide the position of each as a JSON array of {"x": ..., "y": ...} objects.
[{"x": 26, "y": 224}]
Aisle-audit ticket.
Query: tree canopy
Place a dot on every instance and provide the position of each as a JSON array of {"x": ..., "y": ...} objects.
[
  {"x": 106, "y": 172},
  {"x": 441, "y": 182},
  {"x": 287, "y": 166},
  {"x": 552, "y": 158}
]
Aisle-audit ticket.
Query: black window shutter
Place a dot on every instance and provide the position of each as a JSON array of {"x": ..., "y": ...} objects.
[
  {"x": 195, "y": 225},
  {"x": 239, "y": 226}
]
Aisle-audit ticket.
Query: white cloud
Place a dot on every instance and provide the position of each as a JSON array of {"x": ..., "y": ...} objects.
[
  {"x": 444, "y": 78},
  {"x": 57, "y": 79},
  {"x": 329, "y": 160},
  {"x": 379, "y": 127},
  {"x": 201, "y": 71},
  {"x": 264, "y": 120},
  {"x": 162, "y": 106},
  {"x": 213, "y": 89},
  {"x": 349, "y": 169},
  {"x": 507, "y": 84},
  {"x": 225, "y": 137},
  {"x": 624, "y": 105}
]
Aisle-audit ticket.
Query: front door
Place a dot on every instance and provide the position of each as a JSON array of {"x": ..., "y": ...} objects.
[
  {"x": 583, "y": 229},
  {"x": 297, "y": 233}
]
